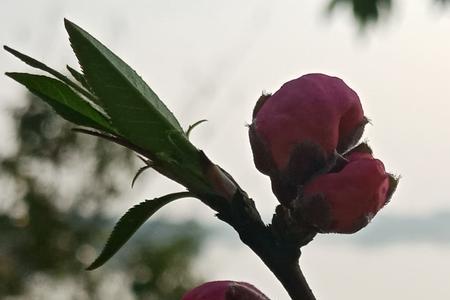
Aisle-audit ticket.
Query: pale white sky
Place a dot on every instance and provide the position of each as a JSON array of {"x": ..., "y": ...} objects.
[{"x": 211, "y": 59}]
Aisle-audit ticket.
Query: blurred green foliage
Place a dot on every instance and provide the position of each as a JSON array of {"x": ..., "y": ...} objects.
[
  {"x": 365, "y": 11},
  {"x": 369, "y": 11},
  {"x": 57, "y": 187}
]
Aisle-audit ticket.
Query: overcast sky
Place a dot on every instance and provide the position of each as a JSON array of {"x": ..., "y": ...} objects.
[{"x": 212, "y": 59}]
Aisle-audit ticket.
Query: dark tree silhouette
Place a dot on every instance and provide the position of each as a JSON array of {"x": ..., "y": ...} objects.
[{"x": 369, "y": 11}]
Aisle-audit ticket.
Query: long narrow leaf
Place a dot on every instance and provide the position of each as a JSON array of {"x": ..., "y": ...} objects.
[
  {"x": 135, "y": 110},
  {"x": 130, "y": 223},
  {"x": 39, "y": 65},
  {"x": 63, "y": 100}
]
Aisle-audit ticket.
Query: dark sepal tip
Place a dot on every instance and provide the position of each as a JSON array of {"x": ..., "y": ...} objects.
[
  {"x": 260, "y": 102},
  {"x": 363, "y": 147},
  {"x": 393, "y": 183}
]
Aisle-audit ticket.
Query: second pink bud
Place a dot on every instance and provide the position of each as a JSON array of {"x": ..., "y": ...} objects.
[{"x": 225, "y": 290}]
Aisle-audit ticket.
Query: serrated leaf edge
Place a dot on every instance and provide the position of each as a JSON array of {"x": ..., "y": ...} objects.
[
  {"x": 147, "y": 209},
  {"x": 105, "y": 127},
  {"x": 32, "y": 62},
  {"x": 72, "y": 27}
]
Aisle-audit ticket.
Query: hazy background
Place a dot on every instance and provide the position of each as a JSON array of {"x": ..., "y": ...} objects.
[{"x": 212, "y": 59}]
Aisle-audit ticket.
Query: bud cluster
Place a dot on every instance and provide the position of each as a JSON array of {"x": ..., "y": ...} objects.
[{"x": 304, "y": 138}]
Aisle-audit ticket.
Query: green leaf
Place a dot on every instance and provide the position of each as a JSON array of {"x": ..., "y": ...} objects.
[
  {"x": 135, "y": 110},
  {"x": 63, "y": 100},
  {"x": 38, "y": 65},
  {"x": 130, "y": 223},
  {"x": 79, "y": 77}
]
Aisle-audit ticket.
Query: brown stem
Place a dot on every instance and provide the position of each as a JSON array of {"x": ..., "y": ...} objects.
[
  {"x": 281, "y": 255},
  {"x": 284, "y": 264},
  {"x": 293, "y": 280},
  {"x": 278, "y": 248}
]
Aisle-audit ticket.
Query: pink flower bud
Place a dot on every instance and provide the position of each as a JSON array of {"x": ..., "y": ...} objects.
[
  {"x": 296, "y": 131},
  {"x": 345, "y": 201},
  {"x": 225, "y": 290}
]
